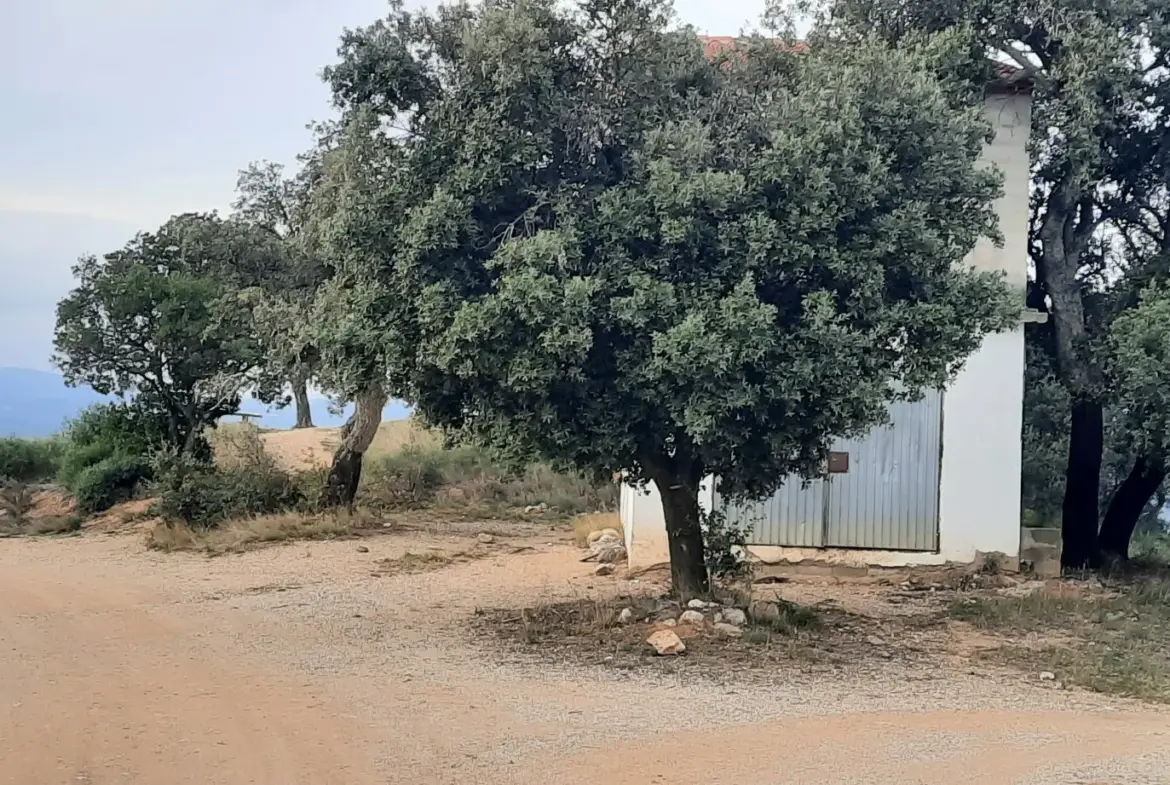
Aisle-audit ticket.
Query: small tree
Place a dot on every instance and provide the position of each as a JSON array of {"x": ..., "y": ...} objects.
[
  {"x": 1139, "y": 341},
  {"x": 147, "y": 323},
  {"x": 588, "y": 243},
  {"x": 281, "y": 303}
]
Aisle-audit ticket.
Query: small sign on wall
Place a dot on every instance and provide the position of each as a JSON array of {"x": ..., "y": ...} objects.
[{"x": 838, "y": 462}]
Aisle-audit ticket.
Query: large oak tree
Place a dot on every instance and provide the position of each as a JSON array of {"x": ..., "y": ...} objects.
[{"x": 567, "y": 233}]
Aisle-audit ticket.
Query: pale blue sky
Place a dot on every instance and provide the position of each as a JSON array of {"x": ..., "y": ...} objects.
[{"x": 115, "y": 114}]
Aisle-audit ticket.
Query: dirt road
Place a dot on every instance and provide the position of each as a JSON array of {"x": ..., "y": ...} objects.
[{"x": 295, "y": 665}]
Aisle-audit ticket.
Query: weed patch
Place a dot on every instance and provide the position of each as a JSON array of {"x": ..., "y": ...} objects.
[
  {"x": 243, "y": 534},
  {"x": 1113, "y": 639}
]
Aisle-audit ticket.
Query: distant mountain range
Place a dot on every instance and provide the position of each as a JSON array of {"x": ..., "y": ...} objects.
[{"x": 35, "y": 404}]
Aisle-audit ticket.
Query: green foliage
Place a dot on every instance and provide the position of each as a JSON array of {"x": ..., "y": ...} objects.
[
  {"x": 203, "y": 496},
  {"x": 465, "y": 476},
  {"x": 725, "y": 547},
  {"x": 754, "y": 256},
  {"x": 1140, "y": 343},
  {"x": 105, "y": 431},
  {"x": 110, "y": 481},
  {"x": 156, "y": 321},
  {"x": 29, "y": 460}
]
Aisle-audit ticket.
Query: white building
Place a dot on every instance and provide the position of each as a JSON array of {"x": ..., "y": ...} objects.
[{"x": 941, "y": 483}]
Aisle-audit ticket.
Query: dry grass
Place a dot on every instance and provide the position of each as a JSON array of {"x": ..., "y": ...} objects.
[
  {"x": 311, "y": 448},
  {"x": 586, "y": 524},
  {"x": 1112, "y": 638},
  {"x": 589, "y": 630},
  {"x": 424, "y": 561},
  {"x": 239, "y": 535}
]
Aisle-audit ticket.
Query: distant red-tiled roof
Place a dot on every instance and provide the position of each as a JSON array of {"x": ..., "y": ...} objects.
[{"x": 713, "y": 45}]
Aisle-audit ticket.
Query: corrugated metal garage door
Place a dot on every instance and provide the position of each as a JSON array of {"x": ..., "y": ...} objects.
[{"x": 886, "y": 499}]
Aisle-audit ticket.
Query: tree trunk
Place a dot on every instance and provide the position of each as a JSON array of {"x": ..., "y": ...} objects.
[
  {"x": 1127, "y": 505},
  {"x": 684, "y": 532},
  {"x": 359, "y": 432},
  {"x": 1068, "y": 225},
  {"x": 301, "y": 398},
  {"x": 1080, "y": 513}
]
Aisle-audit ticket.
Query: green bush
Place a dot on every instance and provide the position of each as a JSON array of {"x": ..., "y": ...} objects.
[
  {"x": 29, "y": 460},
  {"x": 108, "y": 482},
  {"x": 106, "y": 431},
  {"x": 465, "y": 476},
  {"x": 204, "y": 496}
]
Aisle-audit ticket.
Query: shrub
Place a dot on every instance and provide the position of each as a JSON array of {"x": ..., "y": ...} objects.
[
  {"x": 106, "y": 431},
  {"x": 109, "y": 482},
  {"x": 419, "y": 476},
  {"x": 29, "y": 460},
  {"x": 15, "y": 501},
  {"x": 202, "y": 496}
]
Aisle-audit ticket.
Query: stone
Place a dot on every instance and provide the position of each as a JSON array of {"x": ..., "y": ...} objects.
[
  {"x": 611, "y": 554},
  {"x": 603, "y": 569},
  {"x": 1047, "y": 676},
  {"x": 764, "y": 612},
  {"x": 691, "y": 617},
  {"x": 486, "y": 538},
  {"x": 532, "y": 509},
  {"x": 728, "y": 630},
  {"x": 362, "y": 549},
  {"x": 626, "y": 616},
  {"x": 608, "y": 534},
  {"x": 874, "y": 640},
  {"x": 733, "y": 616},
  {"x": 666, "y": 643},
  {"x": 669, "y": 622},
  {"x": 698, "y": 605}
]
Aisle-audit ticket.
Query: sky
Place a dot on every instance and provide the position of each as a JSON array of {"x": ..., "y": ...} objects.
[{"x": 120, "y": 113}]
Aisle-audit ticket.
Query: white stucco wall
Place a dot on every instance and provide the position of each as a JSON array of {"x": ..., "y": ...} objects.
[{"x": 979, "y": 494}]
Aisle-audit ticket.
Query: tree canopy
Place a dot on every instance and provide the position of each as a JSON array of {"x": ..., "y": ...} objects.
[
  {"x": 567, "y": 233},
  {"x": 148, "y": 322}
]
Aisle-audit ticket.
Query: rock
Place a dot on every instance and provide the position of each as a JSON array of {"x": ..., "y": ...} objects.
[
  {"x": 874, "y": 640},
  {"x": 691, "y": 617},
  {"x": 1114, "y": 616},
  {"x": 728, "y": 630},
  {"x": 626, "y": 616},
  {"x": 362, "y": 549},
  {"x": 666, "y": 643},
  {"x": 486, "y": 538},
  {"x": 1047, "y": 676},
  {"x": 733, "y": 616},
  {"x": 698, "y": 605},
  {"x": 611, "y": 554},
  {"x": 764, "y": 612},
  {"x": 669, "y": 622},
  {"x": 608, "y": 534},
  {"x": 603, "y": 569},
  {"x": 531, "y": 509}
]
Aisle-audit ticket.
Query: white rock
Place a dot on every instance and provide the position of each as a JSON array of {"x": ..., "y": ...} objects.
[
  {"x": 486, "y": 538},
  {"x": 669, "y": 622},
  {"x": 728, "y": 630},
  {"x": 733, "y": 616},
  {"x": 1047, "y": 676},
  {"x": 603, "y": 569},
  {"x": 626, "y": 616},
  {"x": 698, "y": 605},
  {"x": 666, "y": 642},
  {"x": 691, "y": 617}
]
